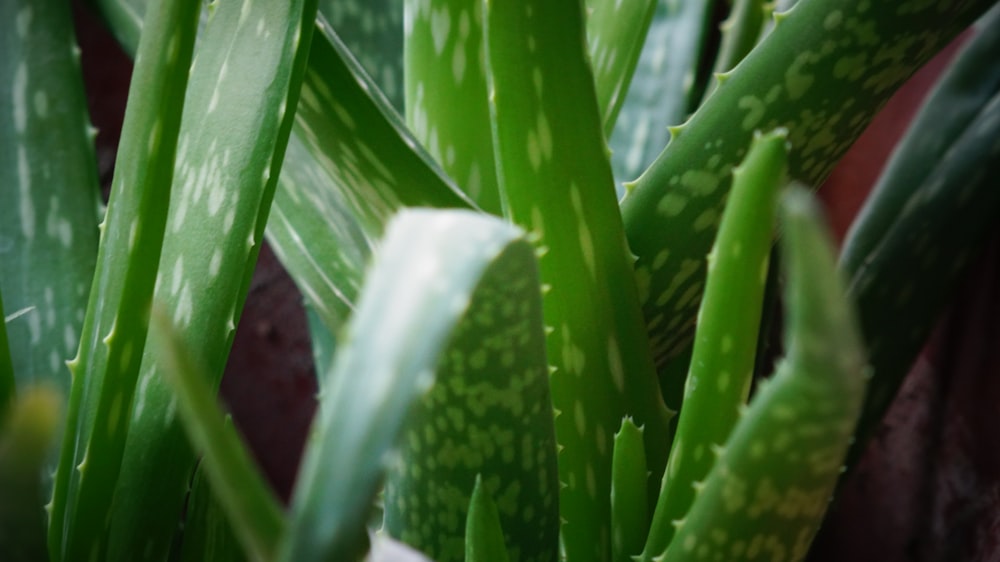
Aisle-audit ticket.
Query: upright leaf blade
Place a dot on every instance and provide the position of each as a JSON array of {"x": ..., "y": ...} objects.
[
  {"x": 386, "y": 364},
  {"x": 556, "y": 181},
  {"x": 629, "y": 493},
  {"x": 663, "y": 86},
  {"x": 208, "y": 535},
  {"x": 251, "y": 507},
  {"x": 238, "y": 116},
  {"x": 446, "y": 97},
  {"x": 724, "y": 350},
  {"x": 616, "y": 33},
  {"x": 114, "y": 331},
  {"x": 50, "y": 197},
  {"x": 766, "y": 495}
]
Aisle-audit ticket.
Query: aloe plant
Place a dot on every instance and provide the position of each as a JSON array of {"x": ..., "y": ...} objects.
[{"x": 504, "y": 365}]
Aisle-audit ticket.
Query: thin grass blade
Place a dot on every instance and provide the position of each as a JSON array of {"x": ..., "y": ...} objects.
[
  {"x": 208, "y": 535},
  {"x": 250, "y": 505}
]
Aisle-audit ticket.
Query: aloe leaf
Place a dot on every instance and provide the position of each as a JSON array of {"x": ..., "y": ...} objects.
[
  {"x": 822, "y": 73},
  {"x": 446, "y": 98},
  {"x": 7, "y": 384},
  {"x": 489, "y": 414},
  {"x": 956, "y": 102},
  {"x": 616, "y": 32},
  {"x": 903, "y": 283},
  {"x": 239, "y": 107},
  {"x": 663, "y": 86},
  {"x": 114, "y": 330},
  {"x": 556, "y": 181},
  {"x": 49, "y": 202},
  {"x": 740, "y": 32},
  {"x": 208, "y": 534},
  {"x": 387, "y": 362},
  {"x": 333, "y": 165},
  {"x": 250, "y": 505},
  {"x": 629, "y": 493},
  {"x": 722, "y": 362},
  {"x": 484, "y": 540},
  {"x": 305, "y": 214},
  {"x": 373, "y": 30},
  {"x": 766, "y": 495},
  {"x": 337, "y": 187},
  {"x": 27, "y": 430}
]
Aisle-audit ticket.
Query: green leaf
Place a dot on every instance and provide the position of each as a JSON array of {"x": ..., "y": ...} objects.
[
  {"x": 49, "y": 202},
  {"x": 822, "y": 73},
  {"x": 238, "y": 116},
  {"x": 489, "y": 414},
  {"x": 556, "y": 181},
  {"x": 373, "y": 30},
  {"x": 27, "y": 430},
  {"x": 446, "y": 99},
  {"x": 208, "y": 534},
  {"x": 740, "y": 32},
  {"x": 663, "y": 87},
  {"x": 722, "y": 362},
  {"x": 766, "y": 495},
  {"x": 931, "y": 212},
  {"x": 483, "y": 532},
  {"x": 337, "y": 190},
  {"x": 351, "y": 163},
  {"x": 629, "y": 493},
  {"x": 385, "y": 365},
  {"x": 616, "y": 32},
  {"x": 7, "y": 384},
  {"x": 250, "y": 505},
  {"x": 106, "y": 367},
  {"x": 955, "y": 104}
]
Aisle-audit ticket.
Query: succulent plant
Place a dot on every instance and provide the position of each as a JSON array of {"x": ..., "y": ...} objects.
[{"x": 526, "y": 367}]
